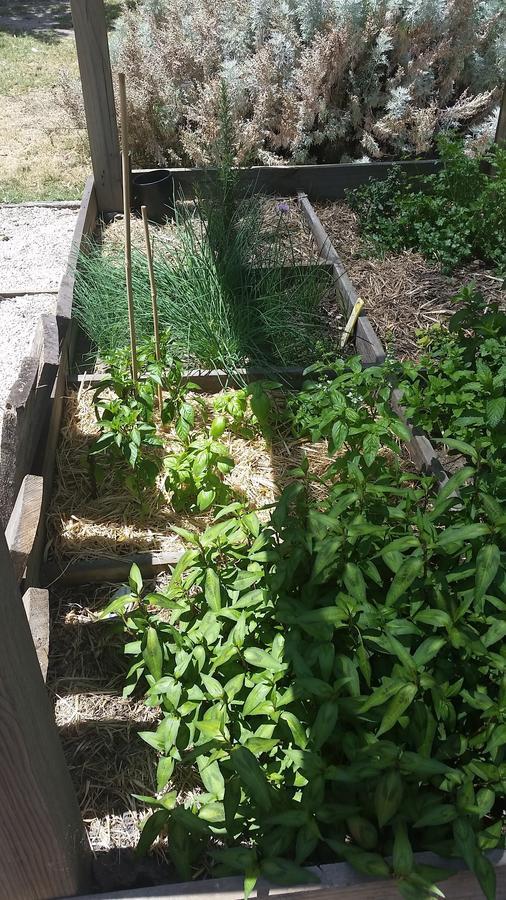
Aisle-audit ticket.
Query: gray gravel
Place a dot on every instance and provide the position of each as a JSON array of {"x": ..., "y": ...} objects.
[
  {"x": 18, "y": 318},
  {"x": 34, "y": 247}
]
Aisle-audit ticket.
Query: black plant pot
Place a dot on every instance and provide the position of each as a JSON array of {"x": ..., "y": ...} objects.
[{"x": 155, "y": 191}]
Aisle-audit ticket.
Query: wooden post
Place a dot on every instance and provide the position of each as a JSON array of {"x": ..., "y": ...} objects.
[
  {"x": 43, "y": 849},
  {"x": 95, "y": 67},
  {"x": 500, "y": 135}
]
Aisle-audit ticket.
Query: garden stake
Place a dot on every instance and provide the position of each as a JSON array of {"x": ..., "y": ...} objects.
[
  {"x": 152, "y": 285},
  {"x": 126, "y": 216},
  {"x": 350, "y": 324}
]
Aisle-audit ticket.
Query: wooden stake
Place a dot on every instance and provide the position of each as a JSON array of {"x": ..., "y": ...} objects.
[
  {"x": 125, "y": 165},
  {"x": 152, "y": 285}
]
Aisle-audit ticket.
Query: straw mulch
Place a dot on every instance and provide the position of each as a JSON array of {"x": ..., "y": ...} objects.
[
  {"x": 107, "y": 760},
  {"x": 402, "y": 293},
  {"x": 84, "y": 523}
]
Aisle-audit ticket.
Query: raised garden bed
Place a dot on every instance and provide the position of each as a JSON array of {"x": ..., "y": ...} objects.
[{"x": 92, "y": 539}]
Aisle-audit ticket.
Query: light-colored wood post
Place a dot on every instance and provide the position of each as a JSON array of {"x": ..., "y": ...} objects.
[
  {"x": 90, "y": 31},
  {"x": 125, "y": 160},
  {"x": 500, "y": 135},
  {"x": 43, "y": 850},
  {"x": 152, "y": 284}
]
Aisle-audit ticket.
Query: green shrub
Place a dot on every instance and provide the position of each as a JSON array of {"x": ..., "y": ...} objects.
[
  {"x": 452, "y": 217},
  {"x": 457, "y": 390}
]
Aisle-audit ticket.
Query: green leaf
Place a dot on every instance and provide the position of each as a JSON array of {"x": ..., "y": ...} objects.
[
  {"x": 388, "y": 796},
  {"x": 135, "y": 579},
  {"x": 457, "y": 534},
  {"x": 440, "y": 814},
  {"x": 324, "y": 724},
  {"x": 421, "y": 766},
  {"x": 152, "y": 827},
  {"x": 211, "y": 776},
  {"x": 488, "y": 560},
  {"x": 370, "y": 448},
  {"x": 212, "y": 590},
  {"x": 453, "y": 484},
  {"x": 396, "y": 706},
  {"x": 462, "y": 447},
  {"x": 355, "y": 582},
  {"x": 281, "y": 871},
  {"x": 361, "y": 860},
  {"x": 297, "y": 729},
  {"x": 428, "y": 649},
  {"x": 402, "y": 858},
  {"x": 164, "y": 772},
  {"x": 263, "y": 660},
  {"x": 495, "y": 410},
  {"x": 205, "y": 499},
  {"x": 251, "y": 776},
  {"x": 338, "y": 436},
  {"x": 497, "y": 739},
  {"x": 259, "y": 745},
  {"x": 409, "y": 571},
  {"x": 152, "y": 653},
  {"x": 255, "y": 700}
]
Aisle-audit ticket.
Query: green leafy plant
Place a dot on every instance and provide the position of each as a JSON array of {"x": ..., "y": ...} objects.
[
  {"x": 457, "y": 389},
  {"x": 195, "y": 476},
  {"x": 453, "y": 216},
  {"x": 125, "y": 411},
  {"x": 338, "y": 680},
  {"x": 349, "y": 407}
]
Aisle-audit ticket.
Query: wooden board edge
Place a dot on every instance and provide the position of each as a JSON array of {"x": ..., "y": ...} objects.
[
  {"x": 85, "y": 224},
  {"x": 24, "y": 522},
  {"x": 419, "y": 446},
  {"x": 109, "y": 569},
  {"x": 36, "y": 604},
  {"x": 367, "y": 341},
  {"x": 339, "y": 881}
]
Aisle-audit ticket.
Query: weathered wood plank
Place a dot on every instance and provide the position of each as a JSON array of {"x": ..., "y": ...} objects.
[
  {"x": 108, "y": 569},
  {"x": 36, "y": 604},
  {"x": 320, "y": 182},
  {"x": 419, "y": 447},
  {"x": 24, "y": 522},
  {"x": 85, "y": 224},
  {"x": 26, "y": 412},
  {"x": 90, "y": 32},
  {"x": 43, "y": 850},
  {"x": 338, "y": 882},
  {"x": 367, "y": 342},
  {"x": 47, "y": 457}
]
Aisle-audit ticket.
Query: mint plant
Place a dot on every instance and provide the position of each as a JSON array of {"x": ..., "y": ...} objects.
[
  {"x": 452, "y": 217},
  {"x": 458, "y": 388},
  {"x": 349, "y": 408}
]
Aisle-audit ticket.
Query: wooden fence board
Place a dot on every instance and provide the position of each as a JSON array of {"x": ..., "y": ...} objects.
[
  {"x": 85, "y": 225},
  {"x": 43, "y": 851}
]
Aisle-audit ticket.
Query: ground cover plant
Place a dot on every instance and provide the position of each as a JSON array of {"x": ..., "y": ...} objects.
[
  {"x": 308, "y": 81},
  {"x": 454, "y": 216},
  {"x": 336, "y": 675}
]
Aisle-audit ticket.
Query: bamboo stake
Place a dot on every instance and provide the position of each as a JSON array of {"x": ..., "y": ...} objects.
[
  {"x": 125, "y": 166},
  {"x": 152, "y": 285}
]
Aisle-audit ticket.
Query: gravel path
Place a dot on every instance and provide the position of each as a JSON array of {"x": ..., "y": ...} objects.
[{"x": 34, "y": 246}]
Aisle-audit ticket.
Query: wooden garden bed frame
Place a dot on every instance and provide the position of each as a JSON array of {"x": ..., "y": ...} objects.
[
  {"x": 44, "y": 852},
  {"x": 62, "y": 867}
]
